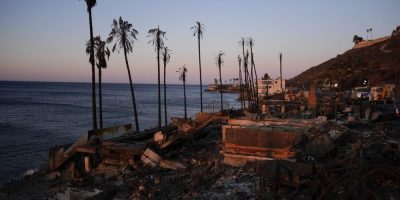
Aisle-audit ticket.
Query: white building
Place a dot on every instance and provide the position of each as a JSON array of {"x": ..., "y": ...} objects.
[{"x": 273, "y": 86}]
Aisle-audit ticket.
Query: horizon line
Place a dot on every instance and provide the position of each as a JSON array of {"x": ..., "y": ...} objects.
[{"x": 90, "y": 82}]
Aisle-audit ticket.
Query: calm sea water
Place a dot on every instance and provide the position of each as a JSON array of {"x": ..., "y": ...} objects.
[{"x": 37, "y": 115}]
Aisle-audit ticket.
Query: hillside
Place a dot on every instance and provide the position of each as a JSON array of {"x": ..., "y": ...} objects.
[{"x": 378, "y": 63}]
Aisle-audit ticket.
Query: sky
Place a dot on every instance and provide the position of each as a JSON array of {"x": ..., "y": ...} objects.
[{"x": 44, "y": 40}]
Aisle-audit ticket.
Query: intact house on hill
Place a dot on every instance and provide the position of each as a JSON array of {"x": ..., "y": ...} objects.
[{"x": 272, "y": 86}]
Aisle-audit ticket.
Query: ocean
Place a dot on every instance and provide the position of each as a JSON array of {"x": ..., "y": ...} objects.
[{"x": 35, "y": 116}]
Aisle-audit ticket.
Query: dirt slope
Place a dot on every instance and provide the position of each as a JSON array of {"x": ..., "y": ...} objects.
[{"x": 379, "y": 63}]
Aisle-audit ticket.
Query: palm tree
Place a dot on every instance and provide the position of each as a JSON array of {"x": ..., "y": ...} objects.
[
  {"x": 90, "y": 4},
  {"x": 182, "y": 76},
  {"x": 370, "y": 30},
  {"x": 367, "y": 33},
  {"x": 125, "y": 35},
  {"x": 158, "y": 43},
  {"x": 219, "y": 63},
  {"x": 198, "y": 30},
  {"x": 101, "y": 51},
  {"x": 166, "y": 57}
]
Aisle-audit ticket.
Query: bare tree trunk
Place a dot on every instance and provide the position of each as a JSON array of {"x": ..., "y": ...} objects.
[
  {"x": 240, "y": 86},
  {"x": 255, "y": 73},
  {"x": 248, "y": 93},
  {"x": 201, "y": 82},
  {"x": 94, "y": 114},
  {"x": 132, "y": 92},
  {"x": 256, "y": 88},
  {"x": 267, "y": 78},
  {"x": 184, "y": 97},
  {"x": 245, "y": 76},
  {"x": 249, "y": 84},
  {"x": 159, "y": 88},
  {"x": 220, "y": 83},
  {"x": 100, "y": 101},
  {"x": 280, "y": 67},
  {"x": 165, "y": 95}
]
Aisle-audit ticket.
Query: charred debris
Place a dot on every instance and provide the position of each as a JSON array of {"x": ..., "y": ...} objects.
[{"x": 305, "y": 147}]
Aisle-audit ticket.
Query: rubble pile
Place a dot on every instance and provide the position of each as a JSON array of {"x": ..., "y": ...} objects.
[
  {"x": 332, "y": 161},
  {"x": 201, "y": 173},
  {"x": 218, "y": 157},
  {"x": 364, "y": 164}
]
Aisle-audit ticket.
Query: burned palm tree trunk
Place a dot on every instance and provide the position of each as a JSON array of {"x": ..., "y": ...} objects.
[
  {"x": 219, "y": 64},
  {"x": 132, "y": 92},
  {"x": 246, "y": 77},
  {"x": 280, "y": 69},
  {"x": 166, "y": 57},
  {"x": 165, "y": 95},
  {"x": 245, "y": 84},
  {"x": 256, "y": 88},
  {"x": 158, "y": 83},
  {"x": 100, "y": 53},
  {"x": 221, "y": 90},
  {"x": 184, "y": 96},
  {"x": 240, "y": 82},
  {"x": 158, "y": 43},
  {"x": 182, "y": 76},
  {"x": 100, "y": 100},
  {"x": 251, "y": 43},
  {"x": 201, "y": 82},
  {"x": 252, "y": 84},
  {"x": 249, "y": 84},
  {"x": 250, "y": 78},
  {"x": 125, "y": 36},
  {"x": 198, "y": 30},
  {"x": 90, "y": 4}
]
